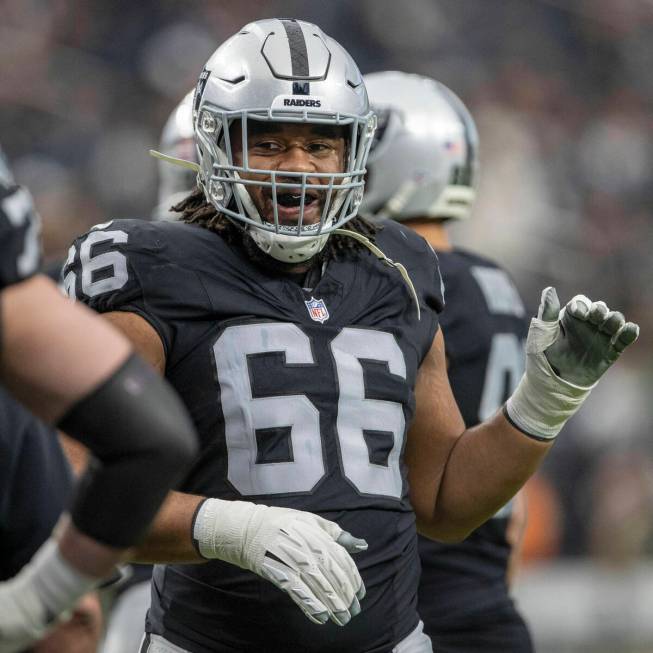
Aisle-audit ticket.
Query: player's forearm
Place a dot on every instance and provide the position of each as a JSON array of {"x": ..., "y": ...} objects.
[
  {"x": 169, "y": 539},
  {"x": 487, "y": 466}
]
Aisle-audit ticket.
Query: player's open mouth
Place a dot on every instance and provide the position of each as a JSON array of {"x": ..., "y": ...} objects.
[{"x": 289, "y": 207}]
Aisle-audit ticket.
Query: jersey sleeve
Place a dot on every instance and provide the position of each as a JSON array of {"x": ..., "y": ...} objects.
[
  {"x": 20, "y": 246},
  {"x": 404, "y": 246},
  {"x": 424, "y": 270},
  {"x": 434, "y": 292},
  {"x": 125, "y": 265}
]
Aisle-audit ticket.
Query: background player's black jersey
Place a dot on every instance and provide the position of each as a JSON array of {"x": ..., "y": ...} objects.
[
  {"x": 35, "y": 484},
  {"x": 484, "y": 328},
  {"x": 19, "y": 234},
  {"x": 301, "y": 400}
]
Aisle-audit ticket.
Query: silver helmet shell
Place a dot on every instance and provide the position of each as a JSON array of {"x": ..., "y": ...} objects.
[
  {"x": 423, "y": 161},
  {"x": 280, "y": 70},
  {"x": 177, "y": 140}
]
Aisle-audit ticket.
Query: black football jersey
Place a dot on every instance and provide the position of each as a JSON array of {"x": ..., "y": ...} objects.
[
  {"x": 484, "y": 326},
  {"x": 35, "y": 484},
  {"x": 20, "y": 249},
  {"x": 301, "y": 398}
]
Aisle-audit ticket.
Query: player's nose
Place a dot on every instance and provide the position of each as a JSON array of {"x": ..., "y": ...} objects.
[{"x": 296, "y": 159}]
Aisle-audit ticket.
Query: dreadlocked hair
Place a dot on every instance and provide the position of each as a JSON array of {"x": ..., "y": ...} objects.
[{"x": 195, "y": 209}]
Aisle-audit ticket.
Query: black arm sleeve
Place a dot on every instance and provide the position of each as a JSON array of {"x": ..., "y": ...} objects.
[{"x": 142, "y": 440}]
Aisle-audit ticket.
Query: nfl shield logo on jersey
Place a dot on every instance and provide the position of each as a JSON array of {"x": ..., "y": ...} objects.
[{"x": 317, "y": 310}]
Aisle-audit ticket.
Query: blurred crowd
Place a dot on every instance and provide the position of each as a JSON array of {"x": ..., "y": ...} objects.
[{"x": 562, "y": 93}]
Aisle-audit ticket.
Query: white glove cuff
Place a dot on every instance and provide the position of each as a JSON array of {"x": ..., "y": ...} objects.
[
  {"x": 54, "y": 581},
  {"x": 220, "y": 527},
  {"x": 543, "y": 402}
]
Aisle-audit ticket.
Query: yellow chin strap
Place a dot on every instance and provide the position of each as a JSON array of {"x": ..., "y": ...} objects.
[
  {"x": 190, "y": 165},
  {"x": 388, "y": 261}
]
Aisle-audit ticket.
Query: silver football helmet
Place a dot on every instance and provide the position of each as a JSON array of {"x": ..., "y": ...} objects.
[
  {"x": 280, "y": 70},
  {"x": 177, "y": 140},
  {"x": 423, "y": 161}
]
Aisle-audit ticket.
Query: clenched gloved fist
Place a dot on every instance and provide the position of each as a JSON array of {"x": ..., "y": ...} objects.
[{"x": 567, "y": 352}]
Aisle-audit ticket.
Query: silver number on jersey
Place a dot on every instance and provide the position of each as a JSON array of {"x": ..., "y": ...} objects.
[
  {"x": 356, "y": 414},
  {"x": 68, "y": 282},
  {"x": 499, "y": 291},
  {"x": 505, "y": 367},
  {"x": 244, "y": 414},
  {"x": 20, "y": 210},
  {"x": 112, "y": 261},
  {"x": 91, "y": 264}
]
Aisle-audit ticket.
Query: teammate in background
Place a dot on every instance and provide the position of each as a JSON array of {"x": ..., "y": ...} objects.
[
  {"x": 177, "y": 140},
  {"x": 421, "y": 172},
  {"x": 304, "y": 353}
]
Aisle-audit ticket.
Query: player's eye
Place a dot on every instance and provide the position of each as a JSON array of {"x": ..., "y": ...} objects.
[
  {"x": 267, "y": 146},
  {"x": 320, "y": 147}
]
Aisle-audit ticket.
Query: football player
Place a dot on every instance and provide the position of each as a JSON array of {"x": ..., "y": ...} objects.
[
  {"x": 305, "y": 341},
  {"x": 75, "y": 370},
  {"x": 421, "y": 172}
]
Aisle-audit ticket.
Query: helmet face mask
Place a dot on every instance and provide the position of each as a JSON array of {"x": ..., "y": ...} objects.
[{"x": 264, "y": 92}]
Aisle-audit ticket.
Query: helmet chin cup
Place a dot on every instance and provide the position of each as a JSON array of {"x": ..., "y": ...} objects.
[{"x": 288, "y": 249}]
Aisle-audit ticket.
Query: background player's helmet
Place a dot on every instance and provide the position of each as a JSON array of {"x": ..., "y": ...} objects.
[
  {"x": 177, "y": 141},
  {"x": 423, "y": 160},
  {"x": 281, "y": 71}
]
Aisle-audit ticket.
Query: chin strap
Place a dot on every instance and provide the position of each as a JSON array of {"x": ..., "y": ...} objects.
[
  {"x": 190, "y": 165},
  {"x": 388, "y": 261}
]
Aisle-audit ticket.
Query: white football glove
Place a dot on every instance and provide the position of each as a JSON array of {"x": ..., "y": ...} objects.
[
  {"x": 566, "y": 353},
  {"x": 38, "y": 598},
  {"x": 304, "y": 555}
]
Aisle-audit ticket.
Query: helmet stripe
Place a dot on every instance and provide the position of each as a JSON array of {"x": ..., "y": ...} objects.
[{"x": 297, "y": 44}]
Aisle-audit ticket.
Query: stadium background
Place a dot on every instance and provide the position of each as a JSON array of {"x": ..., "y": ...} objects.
[{"x": 562, "y": 93}]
